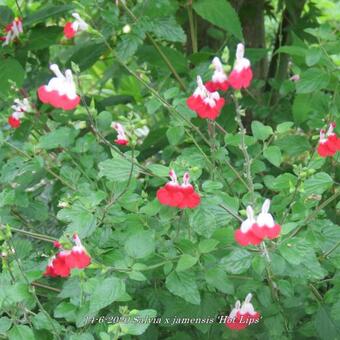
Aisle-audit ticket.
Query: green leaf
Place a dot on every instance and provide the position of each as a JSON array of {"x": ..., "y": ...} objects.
[
  {"x": 212, "y": 186},
  {"x": 20, "y": 332},
  {"x": 295, "y": 251},
  {"x": 273, "y": 155},
  {"x": 261, "y": 131},
  {"x": 312, "y": 80},
  {"x": 168, "y": 29},
  {"x": 62, "y": 137},
  {"x": 159, "y": 170},
  {"x": 217, "y": 278},
  {"x": 41, "y": 321},
  {"x": 106, "y": 292},
  {"x": 301, "y": 107},
  {"x": 313, "y": 56},
  {"x": 284, "y": 127},
  {"x": 6, "y": 15},
  {"x": 117, "y": 170},
  {"x": 186, "y": 261},
  {"x": 80, "y": 219},
  {"x": 318, "y": 183},
  {"x": 221, "y": 14},
  {"x": 207, "y": 246},
  {"x": 128, "y": 46},
  {"x": 65, "y": 310},
  {"x": 40, "y": 39},
  {"x": 292, "y": 50},
  {"x": 140, "y": 245},
  {"x": 183, "y": 284},
  {"x": 326, "y": 327},
  {"x": 10, "y": 70},
  {"x": 175, "y": 134},
  {"x": 237, "y": 262},
  {"x": 5, "y": 322},
  {"x": 46, "y": 12}
]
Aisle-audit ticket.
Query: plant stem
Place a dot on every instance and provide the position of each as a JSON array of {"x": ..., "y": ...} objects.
[
  {"x": 243, "y": 148},
  {"x": 34, "y": 235},
  {"x": 193, "y": 33}
]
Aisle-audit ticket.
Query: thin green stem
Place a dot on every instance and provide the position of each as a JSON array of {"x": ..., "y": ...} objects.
[
  {"x": 193, "y": 33},
  {"x": 34, "y": 235},
  {"x": 243, "y": 148}
]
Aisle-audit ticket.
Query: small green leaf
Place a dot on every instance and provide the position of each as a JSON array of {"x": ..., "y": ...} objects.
[
  {"x": 140, "y": 245},
  {"x": 313, "y": 56},
  {"x": 301, "y": 107},
  {"x": 10, "y": 70},
  {"x": 284, "y": 127},
  {"x": 211, "y": 186},
  {"x": 273, "y": 155},
  {"x": 175, "y": 134},
  {"x": 207, "y": 246},
  {"x": 20, "y": 332},
  {"x": 261, "y": 131},
  {"x": 61, "y": 137},
  {"x": 117, "y": 170},
  {"x": 186, "y": 261}
]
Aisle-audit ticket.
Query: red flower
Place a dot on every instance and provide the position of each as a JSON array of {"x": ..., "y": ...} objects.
[
  {"x": 205, "y": 103},
  {"x": 191, "y": 199},
  {"x": 72, "y": 28},
  {"x": 121, "y": 136},
  {"x": 329, "y": 143},
  {"x": 65, "y": 260},
  {"x": 245, "y": 236},
  {"x": 219, "y": 79},
  {"x": 78, "y": 258},
  {"x": 12, "y": 30},
  {"x": 180, "y": 196},
  {"x": 60, "y": 91},
  {"x": 242, "y": 74},
  {"x": 69, "y": 32},
  {"x": 13, "y": 122},
  {"x": 265, "y": 225},
  {"x": 242, "y": 316}
]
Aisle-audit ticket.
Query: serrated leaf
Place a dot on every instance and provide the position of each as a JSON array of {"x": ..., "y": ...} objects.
[
  {"x": 168, "y": 29},
  {"x": 221, "y": 14},
  {"x": 183, "y": 284},
  {"x": 106, "y": 292},
  {"x": 10, "y": 70},
  {"x": 312, "y": 80},
  {"x": 207, "y": 246},
  {"x": 19, "y": 332},
  {"x": 62, "y": 137},
  {"x": 218, "y": 278},
  {"x": 318, "y": 183},
  {"x": 237, "y": 262},
  {"x": 117, "y": 170},
  {"x": 140, "y": 245}
]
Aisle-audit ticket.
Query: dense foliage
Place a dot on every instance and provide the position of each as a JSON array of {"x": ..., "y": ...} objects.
[{"x": 62, "y": 172}]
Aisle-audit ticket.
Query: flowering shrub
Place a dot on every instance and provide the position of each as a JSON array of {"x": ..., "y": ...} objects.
[{"x": 96, "y": 243}]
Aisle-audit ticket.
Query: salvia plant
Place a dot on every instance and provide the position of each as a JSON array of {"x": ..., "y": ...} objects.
[{"x": 169, "y": 170}]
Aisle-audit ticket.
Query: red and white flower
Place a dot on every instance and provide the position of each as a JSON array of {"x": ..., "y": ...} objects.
[
  {"x": 180, "y": 196},
  {"x": 255, "y": 229},
  {"x": 243, "y": 315},
  {"x": 170, "y": 194},
  {"x": 191, "y": 199},
  {"x": 19, "y": 107},
  {"x": 60, "y": 92},
  {"x": 77, "y": 26},
  {"x": 205, "y": 103},
  {"x": 265, "y": 226},
  {"x": 66, "y": 260},
  {"x": 245, "y": 236},
  {"x": 121, "y": 136},
  {"x": 78, "y": 258},
  {"x": 219, "y": 79},
  {"x": 329, "y": 142},
  {"x": 242, "y": 74},
  {"x": 12, "y": 31}
]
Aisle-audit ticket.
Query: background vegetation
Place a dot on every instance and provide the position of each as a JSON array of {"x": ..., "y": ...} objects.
[{"x": 61, "y": 173}]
